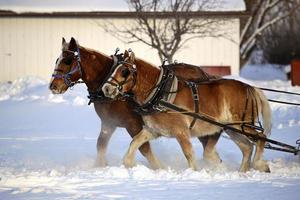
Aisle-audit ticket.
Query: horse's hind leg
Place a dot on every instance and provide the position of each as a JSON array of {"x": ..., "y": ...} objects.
[
  {"x": 145, "y": 149},
  {"x": 258, "y": 162},
  {"x": 137, "y": 141},
  {"x": 187, "y": 149},
  {"x": 102, "y": 142},
  {"x": 246, "y": 147},
  {"x": 209, "y": 151}
]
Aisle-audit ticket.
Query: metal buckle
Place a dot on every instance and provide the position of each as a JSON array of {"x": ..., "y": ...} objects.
[
  {"x": 117, "y": 50},
  {"x": 158, "y": 108},
  {"x": 196, "y": 97},
  {"x": 119, "y": 87},
  {"x": 191, "y": 84},
  {"x": 170, "y": 75}
]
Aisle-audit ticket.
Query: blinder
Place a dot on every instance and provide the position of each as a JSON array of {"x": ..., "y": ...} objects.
[
  {"x": 67, "y": 77},
  {"x": 125, "y": 72}
]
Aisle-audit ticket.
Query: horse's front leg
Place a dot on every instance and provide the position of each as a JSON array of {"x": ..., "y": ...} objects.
[
  {"x": 187, "y": 148},
  {"x": 145, "y": 148},
  {"x": 137, "y": 141},
  {"x": 102, "y": 142}
]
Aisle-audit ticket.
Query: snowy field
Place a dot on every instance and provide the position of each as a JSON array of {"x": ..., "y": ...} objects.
[{"x": 48, "y": 151}]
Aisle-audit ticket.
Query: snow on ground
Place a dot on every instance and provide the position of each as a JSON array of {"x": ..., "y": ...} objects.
[{"x": 47, "y": 151}]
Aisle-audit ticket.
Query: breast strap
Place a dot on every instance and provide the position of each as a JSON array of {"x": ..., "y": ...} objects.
[
  {"x": 195, "y": 95},
  {"x": 166, "y": 89}
]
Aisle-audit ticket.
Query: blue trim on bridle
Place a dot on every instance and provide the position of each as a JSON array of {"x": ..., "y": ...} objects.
[{"x": 67, "y": 77}]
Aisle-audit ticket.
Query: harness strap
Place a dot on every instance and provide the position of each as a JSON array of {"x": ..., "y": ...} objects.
[
  {"x": 245, "y": 109},
  {"x": 67, "y": 77},
  {"x": 98, "y": 94},
  {"x": 194, "y": 89},
  {"x": 161, "y": 91},
  {"x": 254, "y": 108}
]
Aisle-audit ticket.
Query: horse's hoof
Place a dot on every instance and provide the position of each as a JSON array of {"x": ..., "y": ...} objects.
[
  {"x": 101, "y": 163},
  {"x": 261, "y": 166},
  {"x": 212, "y": 158},
  {"x": 214, "y": 162},
  {"x": 128, "y": 163},
  {"x": 156, "y": 165},
  {"x": 195, "y": 168},
  {"x": 244, "y": 169}
]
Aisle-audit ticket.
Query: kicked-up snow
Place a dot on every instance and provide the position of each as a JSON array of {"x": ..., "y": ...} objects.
[{"x": 48, "y": 151}]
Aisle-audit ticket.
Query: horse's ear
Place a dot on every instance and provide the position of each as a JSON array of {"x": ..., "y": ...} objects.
[
  {"x": 131, "y": 57},
  {"x": 63, "y": 41},
  {"x": 73, "y": 44},
  {"x": 126, "y": 54}
]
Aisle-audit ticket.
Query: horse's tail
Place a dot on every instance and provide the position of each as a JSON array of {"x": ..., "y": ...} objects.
[{"x": 265, "y": 110}]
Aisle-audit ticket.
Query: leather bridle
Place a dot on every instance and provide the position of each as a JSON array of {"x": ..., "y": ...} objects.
[
  {"x": 119, "y": 84},
  {"x": 67, "y": 77}
]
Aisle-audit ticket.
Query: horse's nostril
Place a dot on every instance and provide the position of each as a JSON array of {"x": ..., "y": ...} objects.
[
  {"x": 53, "y": 87},
  {"x": 106, "y": 90}
]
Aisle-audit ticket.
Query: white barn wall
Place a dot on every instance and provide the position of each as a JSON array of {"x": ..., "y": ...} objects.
[
  {"x": 214, "y": 51},
  {"x": 30, "y": 45}
]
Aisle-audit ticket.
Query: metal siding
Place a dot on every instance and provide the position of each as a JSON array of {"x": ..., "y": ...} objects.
[{"x": 35, "y": 43}]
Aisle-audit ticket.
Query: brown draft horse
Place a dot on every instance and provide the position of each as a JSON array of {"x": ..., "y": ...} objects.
[
  {"x": 92, "y": 67},
  {"x": 223, "y": 100}
]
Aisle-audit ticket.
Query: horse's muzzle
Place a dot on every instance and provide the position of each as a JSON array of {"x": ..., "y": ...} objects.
[
  {"x": 110, "y": 91},
  {"x": 56, "y": 89}
]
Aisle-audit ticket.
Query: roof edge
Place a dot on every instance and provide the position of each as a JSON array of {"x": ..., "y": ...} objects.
[{"x": 125, "y": 14}]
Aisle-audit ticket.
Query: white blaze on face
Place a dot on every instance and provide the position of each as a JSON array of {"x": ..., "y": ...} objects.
[
  {"x": 64, "y": 47},
  {"x": 115, "y": 72},
  {"x": 59, "y": 59}
]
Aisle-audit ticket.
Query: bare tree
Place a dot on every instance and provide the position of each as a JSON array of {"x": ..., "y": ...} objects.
[
  {"x": 167, "y": 25},
  {"x": 260, "y": 20},
  {"x": 281, "y": 42}
]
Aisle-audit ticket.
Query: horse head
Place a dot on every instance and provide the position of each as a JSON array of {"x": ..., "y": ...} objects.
[
  {"x": 67, "y": 69},
  {"x": 123, "y": 78}
]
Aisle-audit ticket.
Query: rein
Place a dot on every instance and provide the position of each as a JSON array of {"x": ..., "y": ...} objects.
[
  {"x": 284, "y": 92},
  {"x": 67, "y": 77}
]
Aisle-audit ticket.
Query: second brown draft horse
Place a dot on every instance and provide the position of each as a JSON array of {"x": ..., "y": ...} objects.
[{"x": 227, "y": 101}]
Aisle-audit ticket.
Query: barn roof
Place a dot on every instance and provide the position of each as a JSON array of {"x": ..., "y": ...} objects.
[
  {"x": 125, "y": 14},
  {"x": 242, "y": 15}
]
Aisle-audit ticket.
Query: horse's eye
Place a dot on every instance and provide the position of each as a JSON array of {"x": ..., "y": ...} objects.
[
  {"x": 68, "y": 60},
  {"x": 125, "y": 72},
  {"x": 56, "y": 61}
]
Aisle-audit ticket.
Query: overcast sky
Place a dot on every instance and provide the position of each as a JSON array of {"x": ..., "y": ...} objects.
[{"x": 85, "y": 5}]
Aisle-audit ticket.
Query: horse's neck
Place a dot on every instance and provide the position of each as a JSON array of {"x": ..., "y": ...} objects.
[
  {"x": 95, "y": 67},
  {"x": 147, "y": 76}
]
